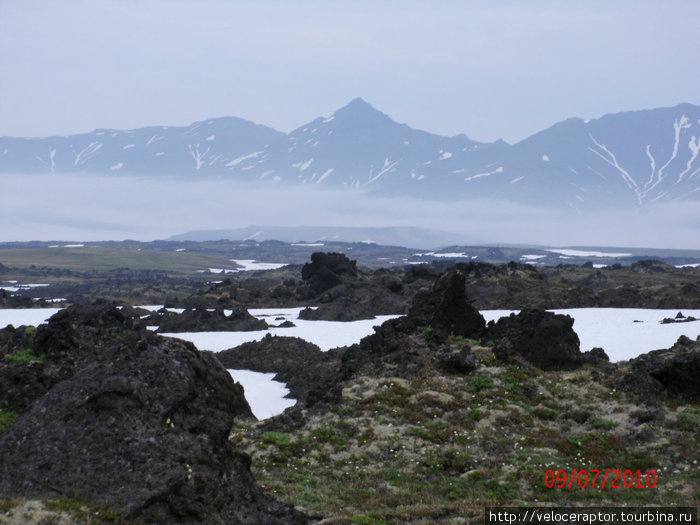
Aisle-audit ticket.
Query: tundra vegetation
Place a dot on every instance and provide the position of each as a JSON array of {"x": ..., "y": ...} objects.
[{"x": 429, "y": 420}]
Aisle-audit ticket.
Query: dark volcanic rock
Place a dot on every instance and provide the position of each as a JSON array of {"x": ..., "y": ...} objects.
[
  {"x": 203, "y": 320},
  {"x": 434, "y": 316},
  {"x": 353, "y": 301},
  {"x": 327, "y": 270},
  {"x": 680, "y": 318},
  {"x": 542, "y": 338},
  {"x": 675, "y": 371},
  {"x": 446, "y": 309},
  {"x": 304, "y": 368},
  {"x": 134, "y": 422},
  {"x": 9, "y": 300}
]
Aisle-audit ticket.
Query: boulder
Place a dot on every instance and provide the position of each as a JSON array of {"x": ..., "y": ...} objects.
[
  {"x": 446, "y": 310},
  {"x": 542, "y": 338},
  {"x": 134, "y": 422},
  {"x": 327, "y": 270},
  {"x": 674, "y": 371}
]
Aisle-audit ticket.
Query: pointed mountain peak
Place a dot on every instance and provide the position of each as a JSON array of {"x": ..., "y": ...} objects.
[
  {"x": 358, "y": 110},
  {"x": 359, "y": 103}
]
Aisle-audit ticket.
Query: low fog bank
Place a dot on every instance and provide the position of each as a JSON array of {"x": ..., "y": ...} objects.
[{"x": 90, "y": 208}]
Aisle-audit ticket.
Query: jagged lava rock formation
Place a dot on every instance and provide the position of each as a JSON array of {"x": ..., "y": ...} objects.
[
  {"x": 542, "y": 338},
  {"x": 127, "y": 419}
]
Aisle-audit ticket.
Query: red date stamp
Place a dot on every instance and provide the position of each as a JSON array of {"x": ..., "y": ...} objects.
[{"x": 595, "y": 478}]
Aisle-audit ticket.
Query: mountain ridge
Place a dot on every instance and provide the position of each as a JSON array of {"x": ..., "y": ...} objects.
[{"x": 628, "y": 159}]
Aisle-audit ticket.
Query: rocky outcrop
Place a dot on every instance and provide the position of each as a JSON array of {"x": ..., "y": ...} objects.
[
  {"x": 302, "y": 366},
  {"x": 398, "y": 346},
  {"x": 327, "y": 270},
  {"x": 134, "y": 422},
  {"x": 204, "y": 320},
  {"x": 679, "y": 318},
  {"x": 446, "y": 310},
  {"x": 674, "y": 371},
  {"x": 543, "y": 339},
  {"x": 10, "y": 300},
  {"x": 352, "y": 301}
]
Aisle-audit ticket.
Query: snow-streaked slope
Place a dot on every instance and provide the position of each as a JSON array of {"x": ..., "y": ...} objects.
[{"x": 621, "y": 160}]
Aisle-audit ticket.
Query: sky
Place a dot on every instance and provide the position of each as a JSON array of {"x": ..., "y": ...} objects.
[{"x": 487, "y": 68}]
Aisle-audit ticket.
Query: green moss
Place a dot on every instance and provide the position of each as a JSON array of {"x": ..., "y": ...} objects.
[
  {"x": 6, "y": 420},
  {"x": 689, "y": 419},
  {"x": 479, "y": 383},
  {"x": 544, "y": 413},
  {"x": 437, "y": 432},
  {"x": 603, "y": 423},
  {"x": 24, "y": 356},
  {"x": 279, "y": 439}
]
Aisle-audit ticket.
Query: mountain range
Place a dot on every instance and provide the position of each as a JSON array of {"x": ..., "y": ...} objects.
[{"x": 622, "y": 160}]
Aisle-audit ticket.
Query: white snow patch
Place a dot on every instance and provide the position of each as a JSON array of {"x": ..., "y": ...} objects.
[
  {"x": 517, "y": 179},
  {"x": 329, "y": 119},
  {"x": 324, "y": 334},
  {"x": 238, "y": 160},
  {"x": 265, "y": 396},
  {"x": 160, "y": 153},
  {"x": 694, "y": 265},
  {"x": 545, "y": 158},
  {"x": 25, "y": 316},
  {"x": 444, "y": 155},
  {"x": 248, "y": 266},
  {"x": 197, "y": 155},
  {"x": 449, "y": 255},
  {"x": 486, "y": 174},
  {"x": 129, "y": 146},
  {"x": 117, "y": 166},
  {"x": 612, "y": 160},
  {"x": 325, "y": 174},
  {"x": 251, "y": 264},
  {"x": 211, "y": 137},
  {"x": 694, "y": 147},
  {"x": 87, "y": 152},
  {"x": 532, "y": 257},
  {"x": 303, "y": 165},
  {"x": 387, "y": 167},
  {"x": 583, "y": 253}
]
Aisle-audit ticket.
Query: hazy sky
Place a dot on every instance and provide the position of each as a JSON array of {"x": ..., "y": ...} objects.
[{"x": 486, "y": 68}]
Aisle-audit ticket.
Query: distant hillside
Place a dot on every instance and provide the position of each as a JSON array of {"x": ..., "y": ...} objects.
[{"x": 397, "y": 236}]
